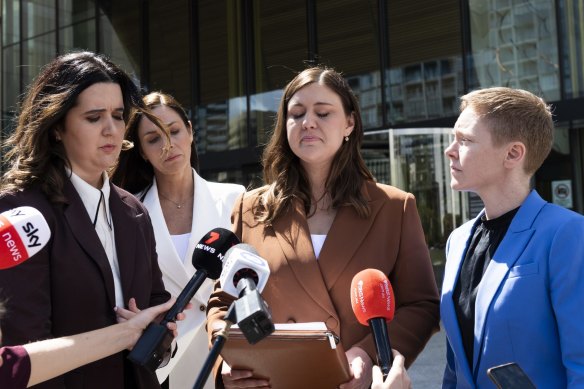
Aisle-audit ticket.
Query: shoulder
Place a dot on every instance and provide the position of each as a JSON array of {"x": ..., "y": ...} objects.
[
  {"x": 127, "y": 198},
  {"x": 218, "y": 190},
  {"x": 250, "y": 197},
  {"x": 379, "y": 191},
  {"x": 32, "y": 197},
  {"x": 225, "y": 189}
]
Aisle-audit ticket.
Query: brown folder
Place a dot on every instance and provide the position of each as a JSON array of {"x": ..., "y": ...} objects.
[{"x": 291, "y": 358}]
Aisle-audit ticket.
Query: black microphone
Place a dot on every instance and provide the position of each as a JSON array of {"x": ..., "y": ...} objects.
[
  {"x": 208, "y": 256},
  {"x": 244, "y": 272},
  {"x": 374, "y": 305}
]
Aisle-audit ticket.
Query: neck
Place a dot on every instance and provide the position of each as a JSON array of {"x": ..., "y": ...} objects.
[
  {"x": 177, "y": 187},
  {"x": 504, "y": 198}
]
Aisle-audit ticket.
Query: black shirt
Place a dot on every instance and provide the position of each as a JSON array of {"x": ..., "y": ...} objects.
[{"x": 485, "y": 240}]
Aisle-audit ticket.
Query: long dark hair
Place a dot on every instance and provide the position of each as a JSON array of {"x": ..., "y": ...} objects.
[
  {"x": 35, "y": 156},
  {"x": 285, "y": 176},
  {"x": 133, "y": 173}
]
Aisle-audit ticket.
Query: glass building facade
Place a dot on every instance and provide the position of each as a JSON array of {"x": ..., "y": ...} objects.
[{"x": 408, "y": 62}]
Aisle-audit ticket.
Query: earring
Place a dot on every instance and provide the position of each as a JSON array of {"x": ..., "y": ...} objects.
[{"x": 346, "y": 138}]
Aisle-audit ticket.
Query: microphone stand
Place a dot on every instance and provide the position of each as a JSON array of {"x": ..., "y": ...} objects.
[{"x": 218, "y": 343}]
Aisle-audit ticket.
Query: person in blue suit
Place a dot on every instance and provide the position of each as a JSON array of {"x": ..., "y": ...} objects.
[{"x": 513, "y": 288}]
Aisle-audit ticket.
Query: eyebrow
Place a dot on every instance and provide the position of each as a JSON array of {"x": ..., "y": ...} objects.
[
  {"x": 317, "y": 103},
  {"x": 99, "y": 110}
]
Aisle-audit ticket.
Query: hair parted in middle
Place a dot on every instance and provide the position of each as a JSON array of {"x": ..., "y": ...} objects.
[
  {"x": 285, "y": 177},
  {"x": 133, "y": 173}
]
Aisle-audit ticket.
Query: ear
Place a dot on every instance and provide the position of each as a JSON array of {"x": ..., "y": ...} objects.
[
  {"x": 57, "y": 132},
  {"x": 516, "y": 152},
  {"x": 350, "y": 124},
  {"x": 190, "y": 128}
]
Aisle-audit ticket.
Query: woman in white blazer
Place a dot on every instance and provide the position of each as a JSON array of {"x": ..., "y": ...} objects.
[{"x": 183, "y": 208}]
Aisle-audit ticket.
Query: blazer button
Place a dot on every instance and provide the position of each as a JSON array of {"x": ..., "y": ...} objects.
[
  {"x": 291, "y": 320},
  {"x": 332, "y": 323},
  {"x": 202, "y": 308}
]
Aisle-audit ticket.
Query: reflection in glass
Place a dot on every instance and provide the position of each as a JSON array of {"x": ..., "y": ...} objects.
[
  {"x": 281, "y": 48},
  {"x": 80, "y": 36},
  {"x": 347, "y": 42},
  {"x": 120, "y": 34},
  {"x": 413, "y": 160},
  {"x": 39, "y": 17},
  {"x": 265, "y": 106},
  {"x": 10, "y": 78},
  {"x": 169, "y": 61},
  {"x": 425, "y": 54},
  {"x": 222, "y": 111},
  {"x": 514, "y": 44},
  {"x": 73, "y": 11},
  {"x": 571, "y": 21},
  {"x": 37, "y": 52},
  {"x": 10, "y": 22}
]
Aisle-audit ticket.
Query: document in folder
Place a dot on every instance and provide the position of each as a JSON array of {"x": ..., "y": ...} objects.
[{"x": 300, "y": 355}]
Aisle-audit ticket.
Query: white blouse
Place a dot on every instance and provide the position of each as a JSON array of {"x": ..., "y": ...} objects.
[
  {"x": 317, "y": 243},
  {"x": 96, "y": 203}
]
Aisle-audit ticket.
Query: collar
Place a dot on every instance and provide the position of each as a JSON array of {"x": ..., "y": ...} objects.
[{"x": 90, "y": 195}]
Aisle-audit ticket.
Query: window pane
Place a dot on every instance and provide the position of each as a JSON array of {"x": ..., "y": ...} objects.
[
  {"x": 413, "y": 160},
  {"x": 572, "y": 30},
  {"x": 425, "y": 75},
  {"x": 169, "y": 49},
  {"x": 10, "y": 22},
  {"x": 10, "y": 78},
  {"x": 39, "y": 17},
  {"x": 221, "y": 116},
  {"x": 73, "y": 11},
  {"x": 37, "y": 52},
  {"x": 514, "y": 44},
  {"x": 80, "y": 36},
  {"x": 120, "y": 36},
  {"x": 281, "y": 53},
  {"x": 347, "y": 42}
]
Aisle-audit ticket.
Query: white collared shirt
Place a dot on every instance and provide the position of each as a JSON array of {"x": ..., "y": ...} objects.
[
  {"x": 102, "y": 220},
  {"x": 317, "y": 243}
]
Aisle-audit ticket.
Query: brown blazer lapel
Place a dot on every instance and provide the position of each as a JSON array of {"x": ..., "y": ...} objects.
[
  {"x": 344, "y": 238},
  {"x": 125, "y": 222},
  {"x": 84, "y": 232},
  {"x": 294, "y": 238}
]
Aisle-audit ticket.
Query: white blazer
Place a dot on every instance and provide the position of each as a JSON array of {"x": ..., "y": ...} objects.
[{"x": 212, "y": 208}]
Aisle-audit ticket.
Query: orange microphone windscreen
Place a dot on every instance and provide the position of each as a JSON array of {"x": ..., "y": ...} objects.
[{"x": 372, "y": 296}]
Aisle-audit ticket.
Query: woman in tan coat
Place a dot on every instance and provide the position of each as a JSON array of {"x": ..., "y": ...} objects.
[{"x": 320, "y": 219}]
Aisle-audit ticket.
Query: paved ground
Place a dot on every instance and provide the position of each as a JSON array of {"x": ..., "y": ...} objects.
[{"x": 427, "y": 370}]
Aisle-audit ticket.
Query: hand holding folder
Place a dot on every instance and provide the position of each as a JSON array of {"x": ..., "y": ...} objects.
[{"x": 302, "y": 355}]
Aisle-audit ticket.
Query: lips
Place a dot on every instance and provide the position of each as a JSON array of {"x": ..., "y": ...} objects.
[{"x": 108, "y": 148}]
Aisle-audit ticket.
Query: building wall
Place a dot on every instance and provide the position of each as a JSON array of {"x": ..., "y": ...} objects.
[{"x": 408, "y": 62}]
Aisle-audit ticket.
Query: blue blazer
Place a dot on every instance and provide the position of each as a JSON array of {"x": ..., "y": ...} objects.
[{"x": 530, "y": 304}]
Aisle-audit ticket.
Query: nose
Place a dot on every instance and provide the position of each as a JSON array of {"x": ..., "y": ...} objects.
[
  {"x": 450, "y": 151},
  {"x": 309, "y": 120},
  {"x": 111, "y": 125}
]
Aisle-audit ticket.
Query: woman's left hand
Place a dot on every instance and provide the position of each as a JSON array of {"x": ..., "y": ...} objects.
[
  {"x": 123, "y": 315},
  {"x": 361, "y": 367}
]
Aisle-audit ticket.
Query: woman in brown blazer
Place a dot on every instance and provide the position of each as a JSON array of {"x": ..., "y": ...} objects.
[
  {"x": 318, "y": 189},
  {"x": 101, "y": 252}
]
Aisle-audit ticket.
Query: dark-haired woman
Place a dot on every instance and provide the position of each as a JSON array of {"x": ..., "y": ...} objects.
[
  {"x": 320, "y": 219},
  {"x": 101, "y": 252},
  {"x": 183, "y": 207}
]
